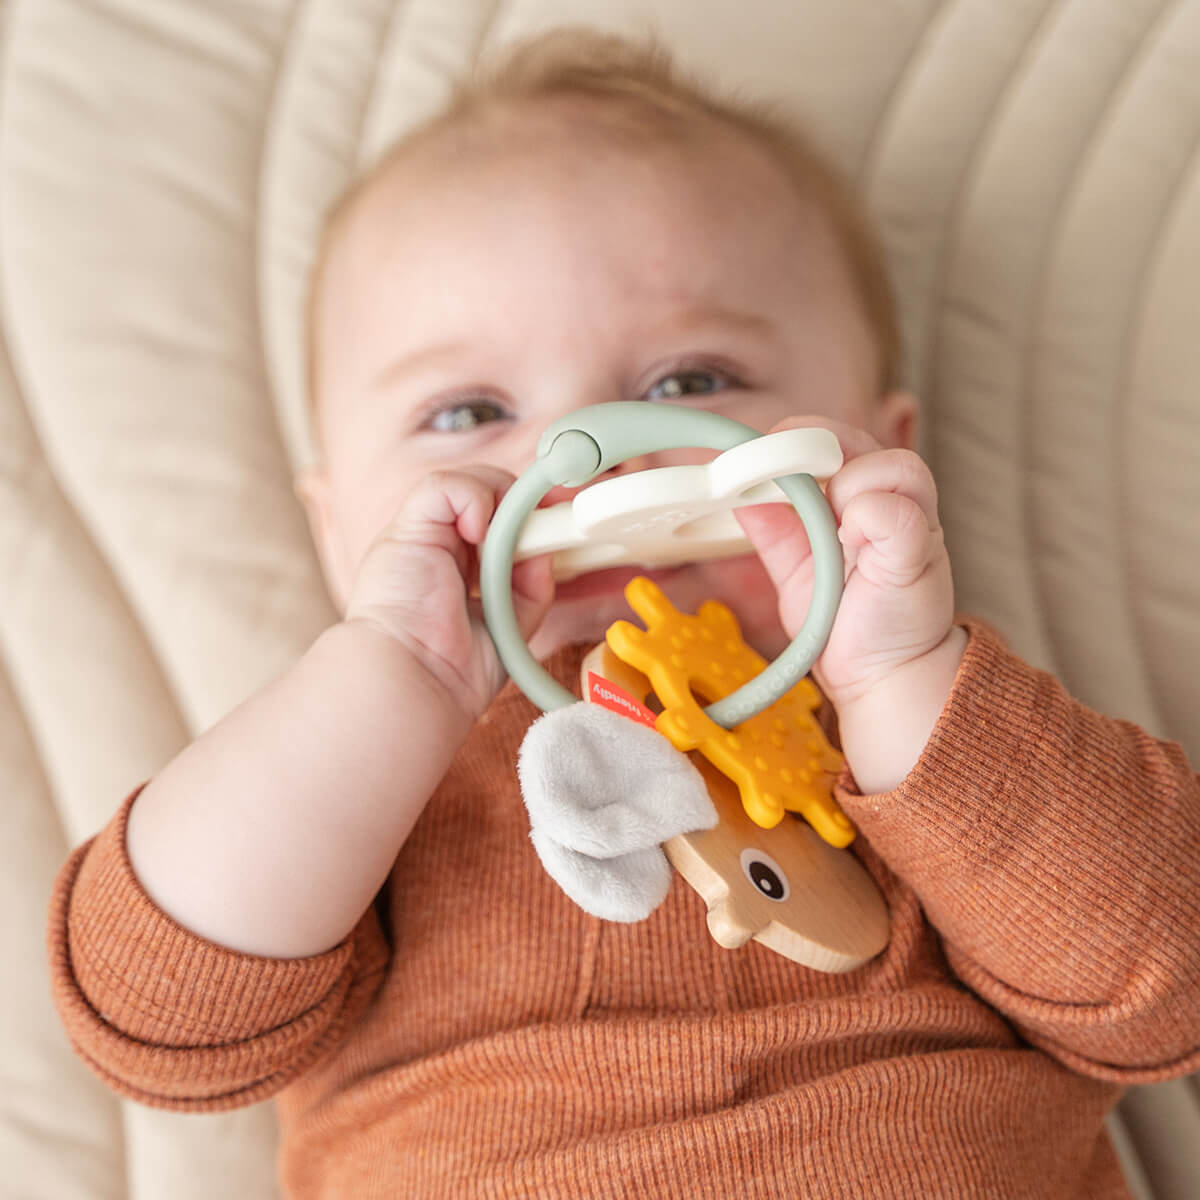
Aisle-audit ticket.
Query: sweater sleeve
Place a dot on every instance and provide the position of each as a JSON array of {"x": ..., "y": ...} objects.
[
  {"x": 1057, "y": 852},
  {"x": 170, "y": 1019}
]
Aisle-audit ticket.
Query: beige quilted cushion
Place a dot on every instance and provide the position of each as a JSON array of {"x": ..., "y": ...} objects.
[{"x": 164, "y": 167}]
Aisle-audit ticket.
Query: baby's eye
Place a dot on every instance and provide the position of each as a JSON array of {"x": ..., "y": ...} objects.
[
  {"x": 458, "y": 415},
  {"x": 689, "y": 381}
]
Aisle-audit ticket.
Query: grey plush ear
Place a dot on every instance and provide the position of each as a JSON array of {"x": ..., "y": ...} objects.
[
  {"x": 603, "y": 794},
  {"x": 626, "y": 888}
]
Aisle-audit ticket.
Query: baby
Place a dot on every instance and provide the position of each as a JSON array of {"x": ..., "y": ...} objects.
[{"x": 331, "y": 896}]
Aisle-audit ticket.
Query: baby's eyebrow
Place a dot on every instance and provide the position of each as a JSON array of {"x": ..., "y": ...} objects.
[
  {"x": 689, "y": 322},
  {"x": 441, "y": 353},
  {"x": 699, "y": 319}
]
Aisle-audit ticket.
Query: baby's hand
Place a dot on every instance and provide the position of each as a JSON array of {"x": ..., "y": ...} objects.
[
  {"x": 894, "y": 645},
  {"x": 417, "y": 582}
]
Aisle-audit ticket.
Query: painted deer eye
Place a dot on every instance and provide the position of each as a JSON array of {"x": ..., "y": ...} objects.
[{"x": 765, "y": 874}]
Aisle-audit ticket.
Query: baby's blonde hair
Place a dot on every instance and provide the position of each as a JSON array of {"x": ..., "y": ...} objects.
[{"x": 647, "y": 101}]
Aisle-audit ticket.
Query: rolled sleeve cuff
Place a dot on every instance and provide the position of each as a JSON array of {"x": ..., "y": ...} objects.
[{"x": 163, "y": 1014}]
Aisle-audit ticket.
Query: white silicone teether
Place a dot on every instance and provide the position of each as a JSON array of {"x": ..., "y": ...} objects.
[{"x": 671, "y": 515}]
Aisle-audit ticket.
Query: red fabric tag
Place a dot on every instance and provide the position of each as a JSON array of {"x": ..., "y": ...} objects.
[{"x": 606, "y": 693}]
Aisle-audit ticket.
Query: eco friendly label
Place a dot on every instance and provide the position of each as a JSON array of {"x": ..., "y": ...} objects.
[{"x": 608, "y": 695}]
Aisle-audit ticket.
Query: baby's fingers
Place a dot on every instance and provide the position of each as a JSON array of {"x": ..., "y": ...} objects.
[
  {"x": 887, "y": 537},
  {"x": 779, "y": 537},
  {"x": 532, "y": 592},
  {"x": 446, "y": 502},
  {"x": 899, "y": 471}
]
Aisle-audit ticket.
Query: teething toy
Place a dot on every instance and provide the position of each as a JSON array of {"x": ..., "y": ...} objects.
[
  {"x": 780, "y": 759},
  {"x": 761, "y": 751},
  {"x": 785, "y": 887},
  {"x": 573, "y": 451}
]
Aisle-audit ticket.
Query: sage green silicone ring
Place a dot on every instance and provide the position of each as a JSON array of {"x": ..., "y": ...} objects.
[{"x": 573, "y": 451}]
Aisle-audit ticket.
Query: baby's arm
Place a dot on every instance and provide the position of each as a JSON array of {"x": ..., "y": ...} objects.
[
  {"x": 224, "y": 909},
  {"x": 271, "y": 833},
  {"x": 1055, "y": 850}
]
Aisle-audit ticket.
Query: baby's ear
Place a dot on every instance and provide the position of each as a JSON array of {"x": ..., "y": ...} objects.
[
  {"x": 311, "y": 485},
  {"x": 894, "y": 422}
]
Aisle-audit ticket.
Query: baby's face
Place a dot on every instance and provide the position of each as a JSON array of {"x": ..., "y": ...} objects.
[{"x": 476, "y": 294}]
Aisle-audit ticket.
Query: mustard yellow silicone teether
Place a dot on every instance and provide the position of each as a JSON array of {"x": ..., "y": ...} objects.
[{"x": 780, "y": 759}]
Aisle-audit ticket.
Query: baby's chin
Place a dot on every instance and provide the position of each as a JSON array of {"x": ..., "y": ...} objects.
[{"x": 585, "y": 607}]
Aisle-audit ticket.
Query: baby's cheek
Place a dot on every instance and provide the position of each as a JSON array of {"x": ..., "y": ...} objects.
[{"x": 738, "y": 574}]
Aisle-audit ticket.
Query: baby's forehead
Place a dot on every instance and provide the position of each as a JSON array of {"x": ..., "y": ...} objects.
[
  {"x": 557, "y": 132},
  {"x": 427, "y": 222}
]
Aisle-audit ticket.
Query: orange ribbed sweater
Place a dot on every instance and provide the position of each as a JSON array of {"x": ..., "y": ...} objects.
[{"x": 479, "y": 1035}]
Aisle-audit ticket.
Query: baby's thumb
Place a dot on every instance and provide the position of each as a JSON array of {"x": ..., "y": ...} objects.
[
  {"x": 532, "y": 592},
  {"x": 779, "y": 537}
]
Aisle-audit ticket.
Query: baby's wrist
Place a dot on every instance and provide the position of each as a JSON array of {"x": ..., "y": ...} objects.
[
  {"x": 359, "y": 645},
  {"x": 885, "y": 728}
]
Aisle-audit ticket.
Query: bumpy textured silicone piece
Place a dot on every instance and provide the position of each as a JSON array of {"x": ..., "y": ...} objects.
[
  {"x": 780, "y": 759},
  {"x": 573, "y": 451}
]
